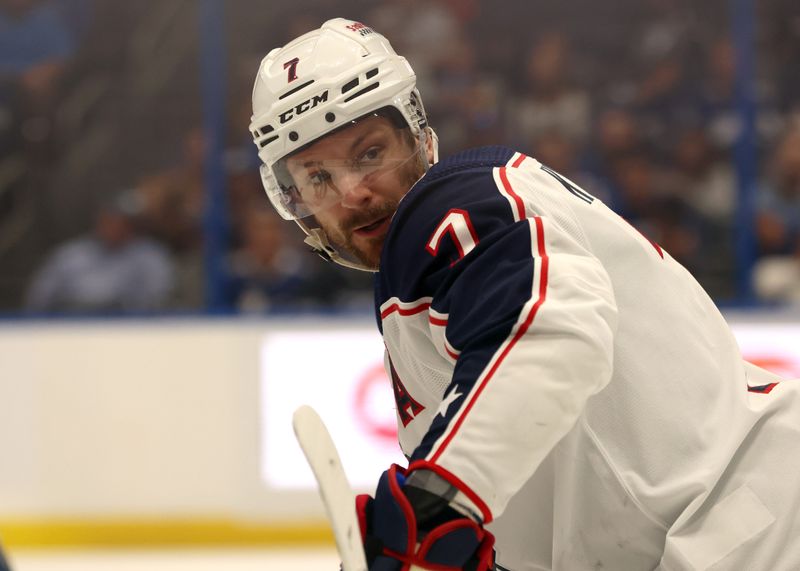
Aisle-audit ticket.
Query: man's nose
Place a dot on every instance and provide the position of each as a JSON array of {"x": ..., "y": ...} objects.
[{"x": 355, "y": 191}]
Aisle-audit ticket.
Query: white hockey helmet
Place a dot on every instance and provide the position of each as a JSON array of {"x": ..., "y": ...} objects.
[{"x": 320, "y": 82}]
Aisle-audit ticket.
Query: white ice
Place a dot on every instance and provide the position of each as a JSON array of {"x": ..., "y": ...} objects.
[{"x": 311, "y": 558}]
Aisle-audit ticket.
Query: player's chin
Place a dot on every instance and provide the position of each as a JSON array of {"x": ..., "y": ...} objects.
[{"x": 368, "y": 251}]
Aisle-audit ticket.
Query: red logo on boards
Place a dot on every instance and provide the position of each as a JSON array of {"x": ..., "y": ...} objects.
[
  {"x": 784, "y": 366},
  {"x": 371, "y": 387},
  {"x": 369, "y": 404}
]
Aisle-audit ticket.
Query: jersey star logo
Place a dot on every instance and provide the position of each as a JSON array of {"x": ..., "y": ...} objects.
[{"x": 448, "y": 400}]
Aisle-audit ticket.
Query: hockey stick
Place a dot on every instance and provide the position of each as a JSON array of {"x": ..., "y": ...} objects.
[{"x": 338, "y": 498}]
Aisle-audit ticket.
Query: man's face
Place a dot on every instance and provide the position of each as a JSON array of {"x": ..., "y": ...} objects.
[{"x": 353, "y": 181}]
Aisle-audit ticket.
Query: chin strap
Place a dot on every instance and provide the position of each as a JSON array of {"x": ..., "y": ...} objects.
[{"x": 321, "y": 246}]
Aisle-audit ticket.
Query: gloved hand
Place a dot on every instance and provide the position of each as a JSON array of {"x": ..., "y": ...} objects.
[{"x": 405, "y": 526}]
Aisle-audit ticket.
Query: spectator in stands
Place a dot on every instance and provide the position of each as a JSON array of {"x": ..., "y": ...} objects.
[
  {"x": 269, "y": 273},
  {"x": 616, "y": 133},
  {"x": 634, "y": 180},
  {"x": 35, "y": 43},
  {"x": 265, "y": 270},
  {"x": 548, "y": 100},
  {"x": 718, "y": 105},
  {"x": 35, "y": 47},
  {"x": 703, "y": 180},
  {"x": 425, "y": 31},
  {"x": 780, "y": 42},
  {"x": 777, "y": 272},
  {"x": 173, "y": 202},
  {"x": 776, "y": 279},
  {"x": 112, "y": 270},
  {"x": 662, "y": 69},
  {"x": 703, "y": 175},
  {"x": 778, "y": 216},
  {"x": 468, "y": 104}
]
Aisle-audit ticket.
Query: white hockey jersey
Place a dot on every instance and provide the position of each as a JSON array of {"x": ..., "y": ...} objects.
[{"x": 576, "y": 384}]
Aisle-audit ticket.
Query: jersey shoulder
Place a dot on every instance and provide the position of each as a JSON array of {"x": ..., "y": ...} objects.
[{"x": 455, "y": 205}]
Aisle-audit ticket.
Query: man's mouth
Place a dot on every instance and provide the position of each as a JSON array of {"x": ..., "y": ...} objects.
[{"x": 373, "y": 228}]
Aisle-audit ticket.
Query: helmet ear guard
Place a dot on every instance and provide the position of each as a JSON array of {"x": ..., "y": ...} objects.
[{"x": 320, "y": 82}]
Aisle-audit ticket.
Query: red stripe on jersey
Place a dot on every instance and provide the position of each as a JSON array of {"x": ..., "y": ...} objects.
[
  {"x": 449, "y": 352},
  {"x": 405, "y": 311},
  {"x": 443, "y": 323},
  {"x": 512, "y": 194},
  {"x": 658, "y": 248},
  {"x": 519, "y": 160},
  {"x": 763, "y": 389},
  {"x": 520, "y": 332}
]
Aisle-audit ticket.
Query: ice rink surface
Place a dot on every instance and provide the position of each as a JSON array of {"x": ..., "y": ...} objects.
[{"x": 312, "y": 558}]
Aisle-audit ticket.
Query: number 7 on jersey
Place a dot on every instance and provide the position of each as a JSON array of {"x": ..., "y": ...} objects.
[{"x": 458, "y": 225}]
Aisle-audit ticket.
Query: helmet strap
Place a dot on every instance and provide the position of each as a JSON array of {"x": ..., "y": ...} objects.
[{"x": 320, "y": 245}]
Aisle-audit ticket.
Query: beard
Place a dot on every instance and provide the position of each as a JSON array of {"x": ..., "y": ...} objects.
[{"x": 369, "y": 253}]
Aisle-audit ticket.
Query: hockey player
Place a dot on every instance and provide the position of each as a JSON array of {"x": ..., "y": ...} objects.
[{"x": 567, "y": 395}]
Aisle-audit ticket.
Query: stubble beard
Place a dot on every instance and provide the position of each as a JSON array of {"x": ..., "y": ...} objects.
[{"x": 369, "y": 253}]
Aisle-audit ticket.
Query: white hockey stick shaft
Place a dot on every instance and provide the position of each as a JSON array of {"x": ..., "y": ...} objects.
[{"x": 337, "y": 496}]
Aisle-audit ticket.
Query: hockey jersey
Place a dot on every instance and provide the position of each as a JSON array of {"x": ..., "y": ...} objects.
[{"x": 575, "y": 383}]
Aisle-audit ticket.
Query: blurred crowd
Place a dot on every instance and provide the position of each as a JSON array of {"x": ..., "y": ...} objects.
[{"x": 104, "y": 155}]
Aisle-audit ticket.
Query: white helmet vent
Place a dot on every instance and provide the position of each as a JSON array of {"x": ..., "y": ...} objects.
[
  {"x": 367, "y": 89},
  {"x": 263, "y": 131},
  {"x": 353, "y": 83}
]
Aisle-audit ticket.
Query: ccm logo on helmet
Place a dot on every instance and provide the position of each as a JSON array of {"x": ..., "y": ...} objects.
[{"x": 302, "y": 107}]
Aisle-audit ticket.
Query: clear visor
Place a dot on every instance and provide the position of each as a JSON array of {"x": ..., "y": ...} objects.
[{"x": 322, "y": 175}]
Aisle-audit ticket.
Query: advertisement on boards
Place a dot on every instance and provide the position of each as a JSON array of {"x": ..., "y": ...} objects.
[{"x": 340, "y": 373}]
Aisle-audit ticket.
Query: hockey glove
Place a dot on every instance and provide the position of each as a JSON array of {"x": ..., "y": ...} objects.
[{"x": 403, "y": 527}]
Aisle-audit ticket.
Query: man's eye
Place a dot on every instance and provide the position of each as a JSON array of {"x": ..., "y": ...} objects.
[
  {"x": 370, "y": 155},
  {"x": 319, "y": 181}
]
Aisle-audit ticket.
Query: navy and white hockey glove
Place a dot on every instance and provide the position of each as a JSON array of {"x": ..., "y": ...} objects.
[{"x": 404, "y": 526}]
